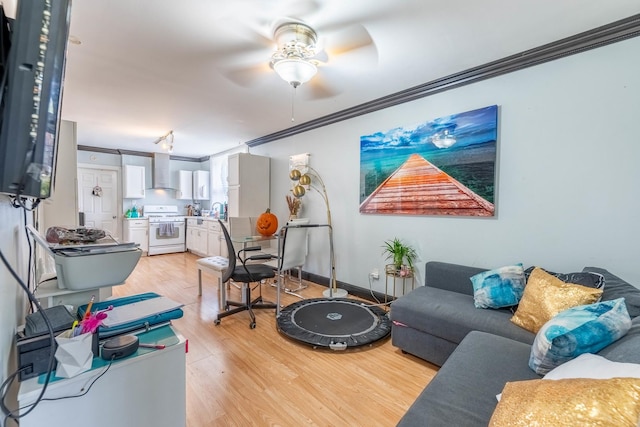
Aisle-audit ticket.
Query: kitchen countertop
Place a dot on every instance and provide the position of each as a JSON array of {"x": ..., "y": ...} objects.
[{"x": 204, "y": 218}]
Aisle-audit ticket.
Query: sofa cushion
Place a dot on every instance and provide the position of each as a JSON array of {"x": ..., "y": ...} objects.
[
  {"x": 627, "y": 348},
  {"x": 545, "y": 296},
  {"x": 578, "y": 330},
  {"x": 569, "y": 402},
  {"x": 498, "y": 288},
  {"x": 463, "y": 391},
  {"x": 584, "y": 278},
  {"x": 615, "y": 287},
  {"x": 452, "y": 277},
  {"x": 451, "y": 316}
]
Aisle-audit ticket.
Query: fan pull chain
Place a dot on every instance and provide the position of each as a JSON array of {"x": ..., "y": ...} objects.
[{"x": 293, "y": 101}]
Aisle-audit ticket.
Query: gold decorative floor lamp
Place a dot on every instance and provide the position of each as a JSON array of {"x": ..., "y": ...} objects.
[{"x": 299, "y": 191}]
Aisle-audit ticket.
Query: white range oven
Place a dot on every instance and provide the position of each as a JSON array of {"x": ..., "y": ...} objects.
[{"x": 167, "y": 229}]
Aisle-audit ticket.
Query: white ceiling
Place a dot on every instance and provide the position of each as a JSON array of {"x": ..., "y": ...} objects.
[{"x": 145, "y": 67}]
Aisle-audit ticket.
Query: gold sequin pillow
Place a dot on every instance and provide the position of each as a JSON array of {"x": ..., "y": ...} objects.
[
  {"x": 545, "y": 296},
  {"x": 611, "y": 402}
]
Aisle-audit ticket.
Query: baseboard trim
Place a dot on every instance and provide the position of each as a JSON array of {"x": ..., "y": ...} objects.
[{"x": 357, "y": 291}]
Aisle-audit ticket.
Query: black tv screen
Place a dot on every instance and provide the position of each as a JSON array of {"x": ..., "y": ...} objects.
[{"x": 31, "y": 97}]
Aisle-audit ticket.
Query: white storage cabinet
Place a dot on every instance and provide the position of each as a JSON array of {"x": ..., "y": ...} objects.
[
  {"x": 185, "y": 185},
  {"x": 134, "y": 184},
  {"x": 248, "y": 184},
  {"x": 137, "y": 231},
  {"x": 217, "y": 245},
  {"x": 200, "y": 185},
  {"x": 197, "y": 236}
]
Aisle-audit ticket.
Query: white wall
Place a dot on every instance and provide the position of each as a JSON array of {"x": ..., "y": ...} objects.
[
  {"x": 61, "y": 207},
  {"x": 12, "y": 299},
  {"x": 152, "y": 196},
  {"x": 568, "y": 174}
]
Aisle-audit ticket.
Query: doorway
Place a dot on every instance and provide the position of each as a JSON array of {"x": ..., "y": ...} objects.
[{"x": 98, "y": 199}]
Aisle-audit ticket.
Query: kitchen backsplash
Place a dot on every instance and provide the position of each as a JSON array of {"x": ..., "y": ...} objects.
[{"x": 157, "y": 199}]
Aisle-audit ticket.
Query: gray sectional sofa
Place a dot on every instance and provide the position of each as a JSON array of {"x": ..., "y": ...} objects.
[{"x": 479, "y": 350}]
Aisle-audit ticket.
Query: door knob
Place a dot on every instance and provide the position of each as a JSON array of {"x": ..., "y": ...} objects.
[{"x": 114, "y": 217}]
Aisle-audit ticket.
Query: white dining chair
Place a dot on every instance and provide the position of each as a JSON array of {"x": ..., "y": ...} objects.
[{"x": 293, "y": 253}]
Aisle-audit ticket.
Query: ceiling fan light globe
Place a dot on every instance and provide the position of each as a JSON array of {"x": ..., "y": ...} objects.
[{"x": 295, "y": 71}]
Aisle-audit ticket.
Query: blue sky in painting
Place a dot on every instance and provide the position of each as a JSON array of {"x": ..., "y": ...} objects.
[{"x": 469, "y": 128}]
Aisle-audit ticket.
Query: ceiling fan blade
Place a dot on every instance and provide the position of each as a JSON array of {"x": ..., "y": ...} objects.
[
  {"x": 322, "y": 85},
  {"x": 348, "y": 39},
  {"x": 245, "y": 57},
  {"x": 301, "y": 7},
  {"x": 247, "y": 76},
  {"x": 263, "y": 13}
]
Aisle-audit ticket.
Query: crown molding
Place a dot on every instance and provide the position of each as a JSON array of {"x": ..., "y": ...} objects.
[{"x": 607, "y": 34}]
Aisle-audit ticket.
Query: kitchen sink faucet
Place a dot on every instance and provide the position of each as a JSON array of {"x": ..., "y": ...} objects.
[{"x": 220, "y": 212}]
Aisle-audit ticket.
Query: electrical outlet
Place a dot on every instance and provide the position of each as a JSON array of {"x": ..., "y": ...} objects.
[{"x": 374, "y": 274}]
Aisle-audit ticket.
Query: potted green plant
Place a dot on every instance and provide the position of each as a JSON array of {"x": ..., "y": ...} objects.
[{"x": 400, "y": 253}]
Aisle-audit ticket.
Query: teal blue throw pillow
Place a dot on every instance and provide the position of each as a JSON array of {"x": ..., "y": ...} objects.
[
  {"x": 578, "y": 330},
  {"x": 502, "y": 287}
]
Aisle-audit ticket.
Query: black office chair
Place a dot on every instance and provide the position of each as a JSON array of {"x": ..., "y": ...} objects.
[{"x": 245, "y": 274}]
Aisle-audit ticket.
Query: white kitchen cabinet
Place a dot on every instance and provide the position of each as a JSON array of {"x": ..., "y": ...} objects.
[
  {"x": 137, "y": 230},
  {"x": 200, "y": 185},
  {"x": 134, "y": 184},
  {"x": 216, "y": 244},
  {"x": 185, "y": 185},
  {"x": 248, "y": 179},
  {"x": 197, "y": 239}
]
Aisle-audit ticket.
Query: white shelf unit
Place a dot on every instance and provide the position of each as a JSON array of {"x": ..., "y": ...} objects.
[
  {"x": 145, "y": 389},
  {"x": 49, "y": 295}
]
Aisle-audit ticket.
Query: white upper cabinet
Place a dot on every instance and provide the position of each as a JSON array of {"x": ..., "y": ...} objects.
[
  {"x": 185, "y": 185},
  {"x": 133, "y": 182},
  {"x": 200, "y": 185},
  {"x": 248, "y": 179}
]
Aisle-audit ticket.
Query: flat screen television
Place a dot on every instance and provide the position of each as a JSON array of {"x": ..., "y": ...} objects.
[{"x": 31, "y": 89}]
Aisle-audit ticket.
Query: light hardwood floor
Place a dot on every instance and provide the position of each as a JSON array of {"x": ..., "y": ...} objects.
[{"x": 238, "y": 376}]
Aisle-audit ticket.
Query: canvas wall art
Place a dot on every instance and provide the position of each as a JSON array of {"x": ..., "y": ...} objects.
[{"x": 444, "y": 166}]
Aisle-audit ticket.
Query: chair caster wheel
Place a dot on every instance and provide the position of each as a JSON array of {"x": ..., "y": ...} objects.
[
  {"x": 252, "y": 325},
  {"x": 216, "y": 322}
]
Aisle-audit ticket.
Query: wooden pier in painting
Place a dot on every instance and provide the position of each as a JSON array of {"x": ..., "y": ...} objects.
[{"x": 420, "y": 188}]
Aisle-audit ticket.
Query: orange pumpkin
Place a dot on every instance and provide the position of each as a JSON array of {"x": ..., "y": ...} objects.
[{"x": 267, "y": 223}]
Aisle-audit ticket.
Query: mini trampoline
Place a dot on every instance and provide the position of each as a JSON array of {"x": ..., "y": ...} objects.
[{"x": 336, "y": 323}]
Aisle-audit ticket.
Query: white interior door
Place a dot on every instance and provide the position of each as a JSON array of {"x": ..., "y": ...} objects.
[{"x": 98, "y": 199}]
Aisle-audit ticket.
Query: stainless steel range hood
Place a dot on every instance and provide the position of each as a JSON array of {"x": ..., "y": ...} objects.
[{"x": 161, "y": 172}]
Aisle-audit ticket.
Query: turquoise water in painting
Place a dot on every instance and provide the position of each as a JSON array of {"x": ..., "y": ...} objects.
[{"x": 470, "y": 160}]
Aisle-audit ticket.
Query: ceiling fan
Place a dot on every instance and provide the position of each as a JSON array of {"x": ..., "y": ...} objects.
[
  {"x": 321, "y": 61},
  {"x": 294, "y": 58}
]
